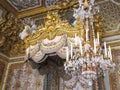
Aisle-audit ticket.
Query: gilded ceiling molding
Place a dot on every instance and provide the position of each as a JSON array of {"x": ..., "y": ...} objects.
[
  {"x": 113, "y": 45},
  {"x": 116, "y": 30},
  {"x": 8, "y": 7},
  {"x": 11, "y": 59},
  {"x": 36, "y": 10},
  {"x": 2, "y": 56},
  {"x": 112, "y": 40},
  {"x": 40, "y": 10},
  {"x": 113, "y": 32}
]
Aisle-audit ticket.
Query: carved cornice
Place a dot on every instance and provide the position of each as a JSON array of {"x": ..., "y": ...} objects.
[
  {"x": 11, "y": 59},
  {"x": 8, "y": 7}
]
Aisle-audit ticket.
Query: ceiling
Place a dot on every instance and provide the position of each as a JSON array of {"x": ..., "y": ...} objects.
[
  {"x": 23, "y": 8},
  {"x": 13, "y": 12}
]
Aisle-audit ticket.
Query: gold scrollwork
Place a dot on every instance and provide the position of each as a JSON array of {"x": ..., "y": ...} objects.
[{"x": 54, "y": 26}]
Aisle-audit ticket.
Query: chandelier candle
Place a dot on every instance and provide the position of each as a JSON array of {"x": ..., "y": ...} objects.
[
  {"x": 80, "y": 46},
  {"x": 105, "y": 49},
  {"x": 67, "y": 54},
  {"x": 109, "y": 51},
  {"x": 95, "y": 46},
  {"x": 71, "y": 50},
  {"x": 87, "y": 30},
  {"x": 98, "y": 37}
]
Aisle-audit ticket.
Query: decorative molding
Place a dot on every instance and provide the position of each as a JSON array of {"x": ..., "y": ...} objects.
[
  {"x": 116, "y": 47},
  {"x": 11, "y": 59},
  {"x": 114, "y": 78},
  {"x": 8, "y": 7},
  {"x": 2, "y": 71},
  {"x": 39, "y": 10},
  {"x": 6, "y": 74},
  {"x": 111, "y": 38},
  {"x": 117, "y": 29},
  {"x": 113, "y": 42}
]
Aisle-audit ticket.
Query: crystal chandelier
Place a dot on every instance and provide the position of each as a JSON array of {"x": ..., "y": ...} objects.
[{"x": 85, "y": 57}]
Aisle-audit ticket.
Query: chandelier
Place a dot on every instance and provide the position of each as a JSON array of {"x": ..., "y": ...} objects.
[
  {"x": 79, "y": 43},
  {"x": 85, "y": 57}
]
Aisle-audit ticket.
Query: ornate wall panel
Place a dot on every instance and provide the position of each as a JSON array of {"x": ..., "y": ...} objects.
[
  {"x": 115, "y": 77},
  {"x": 22, "y": 77},
  {"x": 2, "y": 67}
]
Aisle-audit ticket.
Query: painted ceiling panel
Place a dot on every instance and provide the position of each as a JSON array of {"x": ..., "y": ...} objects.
[
  {"x": 21, "y": 5},
  {"x": 110, "y": 12}
]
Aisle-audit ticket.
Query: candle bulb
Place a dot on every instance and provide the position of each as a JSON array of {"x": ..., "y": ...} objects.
[
  {"x": 75, "y": 39},
  {"x": 110, "y": 53},
  {"x": 67, "y": 54},
  {"x": 81, "y": 51},
  {"x": 98, "y": 38},
  {"x": 71, "y": 50},
  {"x": 105, "y": 49},
  {"x": 87, "y": 34},
  {"x": 87, "y": 30},
  {"x": 94, "y": 45}
]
